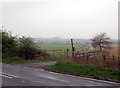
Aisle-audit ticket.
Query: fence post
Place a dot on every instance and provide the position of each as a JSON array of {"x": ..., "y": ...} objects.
[
  {"x": 60, "y": 54},
  {"x": 83, "y": 54},
  {"x": 87, "y": 58},
  {"x": 53, "y": 52},
  {"x": 113, "y": 57},
  {"x": 44, "y": 53},
  {"x": 104, "y": 58},
  {"x": 67, "y": 53},
  {"x": 79, "y": 55},
  {"x": 89, "y": 54},
  {"x": 73, "y": 48}
]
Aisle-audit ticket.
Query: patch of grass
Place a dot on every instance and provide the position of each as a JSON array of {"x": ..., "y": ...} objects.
[
  {"x": 14, "y": 60},
  {"x": 22, "y": 60},
  {"x": 86, "y": 69}
]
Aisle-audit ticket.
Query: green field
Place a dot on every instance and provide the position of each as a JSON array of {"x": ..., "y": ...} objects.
[
  {"x": 55, "y": 47},
  {"x": 61, "y": 47},
  {"x": 50, "y": 48}
]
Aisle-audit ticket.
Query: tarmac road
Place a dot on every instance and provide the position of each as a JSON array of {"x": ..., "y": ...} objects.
[{"x": 27, "y": 76}]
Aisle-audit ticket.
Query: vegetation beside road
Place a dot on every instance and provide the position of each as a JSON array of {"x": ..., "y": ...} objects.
[
  {"x": 22, "y": 47},
  {"x": 86, "y": 70}
]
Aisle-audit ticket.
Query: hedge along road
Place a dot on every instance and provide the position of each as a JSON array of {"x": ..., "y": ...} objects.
[{"x": 27, "y": 76}]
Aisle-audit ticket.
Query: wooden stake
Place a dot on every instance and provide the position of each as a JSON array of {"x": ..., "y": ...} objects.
[{"x": 72, "y": 48}]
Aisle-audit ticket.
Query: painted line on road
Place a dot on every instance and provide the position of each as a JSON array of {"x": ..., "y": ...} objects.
[
  {"x": 39, "y": 69},
  {"x": 53, "y": 73},
  {"x": 53, "y": 78},
  {"x": 9, "y": 75},
  {"x": 6, "y": 76},
  {"x": 25, "y": 67}
]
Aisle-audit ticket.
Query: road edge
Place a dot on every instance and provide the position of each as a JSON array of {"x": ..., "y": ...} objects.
[{"x": 85, "y": 76}]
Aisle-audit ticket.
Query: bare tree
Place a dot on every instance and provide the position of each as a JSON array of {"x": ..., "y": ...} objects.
[{"x": 101, "y": 41}]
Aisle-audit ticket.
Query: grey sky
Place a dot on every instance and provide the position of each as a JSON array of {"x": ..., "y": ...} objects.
[{"x": 61, "y": 18}]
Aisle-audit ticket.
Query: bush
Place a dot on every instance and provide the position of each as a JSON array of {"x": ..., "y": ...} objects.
[
  {"x": 27, "y": 48},
  {"x": 23, "y": 47},
  {"x": 9, "y": 44}
]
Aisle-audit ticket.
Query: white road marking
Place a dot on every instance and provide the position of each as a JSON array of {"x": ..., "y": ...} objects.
[
  {"x": 34, "y": 81},
  {"x": 6, "y": 76},
  {"x": 25, "y": 67},
  {"x": 50, "y": 77},
  {"x": 9, "y": 75},
  {"x": 39, "y": 69},
  {"x": 53, "y": 73}
]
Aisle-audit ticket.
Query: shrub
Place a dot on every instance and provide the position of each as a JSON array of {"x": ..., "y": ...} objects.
[{"x": 9, "y": 44}]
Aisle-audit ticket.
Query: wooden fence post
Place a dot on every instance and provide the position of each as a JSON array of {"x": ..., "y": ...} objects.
[
  {"x": 104, "y": 58},
  {"x": 83, "y": 54},
  {"x": 89, "y": 54},
  {"x": 79, "y": 55},
  {"x": 73, "y": 48},
  {"x": 67, "y": 53},
  {"x": 44, "y": 53},
  {"x": 64, "y": 54},
  {"x": 87, "y": 58},
  {"x": 113, "y": 57},
  {"x": 53, "y": 52}
]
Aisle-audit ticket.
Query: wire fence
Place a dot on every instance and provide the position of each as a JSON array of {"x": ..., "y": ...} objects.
[{"x": 85, "y": 57}]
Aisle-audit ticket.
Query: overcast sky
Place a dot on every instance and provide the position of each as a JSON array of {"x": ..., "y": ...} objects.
[{"x": 61, "y": 18}]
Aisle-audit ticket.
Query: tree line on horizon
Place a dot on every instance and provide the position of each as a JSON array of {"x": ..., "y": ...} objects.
[{"x": 61, "y": 41}]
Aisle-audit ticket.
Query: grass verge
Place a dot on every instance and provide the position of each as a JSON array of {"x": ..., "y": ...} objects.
[
  {"x": 86, "y": 70},
  {"x": 22, "y": 60}
]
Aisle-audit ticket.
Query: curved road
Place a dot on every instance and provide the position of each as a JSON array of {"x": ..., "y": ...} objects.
[{"x": 26, "y": 76}]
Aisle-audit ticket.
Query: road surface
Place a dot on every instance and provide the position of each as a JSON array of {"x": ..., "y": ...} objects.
[{"x": 26, "y": 76}]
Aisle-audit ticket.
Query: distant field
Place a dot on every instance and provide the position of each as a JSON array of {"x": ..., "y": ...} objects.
[
  {"x": 55, "y": 47},
  {"x": 58, "y": 48},
  {"x": 61, "y": 47}
]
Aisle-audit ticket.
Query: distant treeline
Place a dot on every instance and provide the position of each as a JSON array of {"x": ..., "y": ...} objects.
[{"x": 60, "y": 41}]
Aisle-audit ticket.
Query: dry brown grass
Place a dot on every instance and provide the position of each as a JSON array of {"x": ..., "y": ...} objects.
[
  {"x": 111, "y": 58},
  {"x": 98, "y": 60},
  {"x": 114, "y": 50}
]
